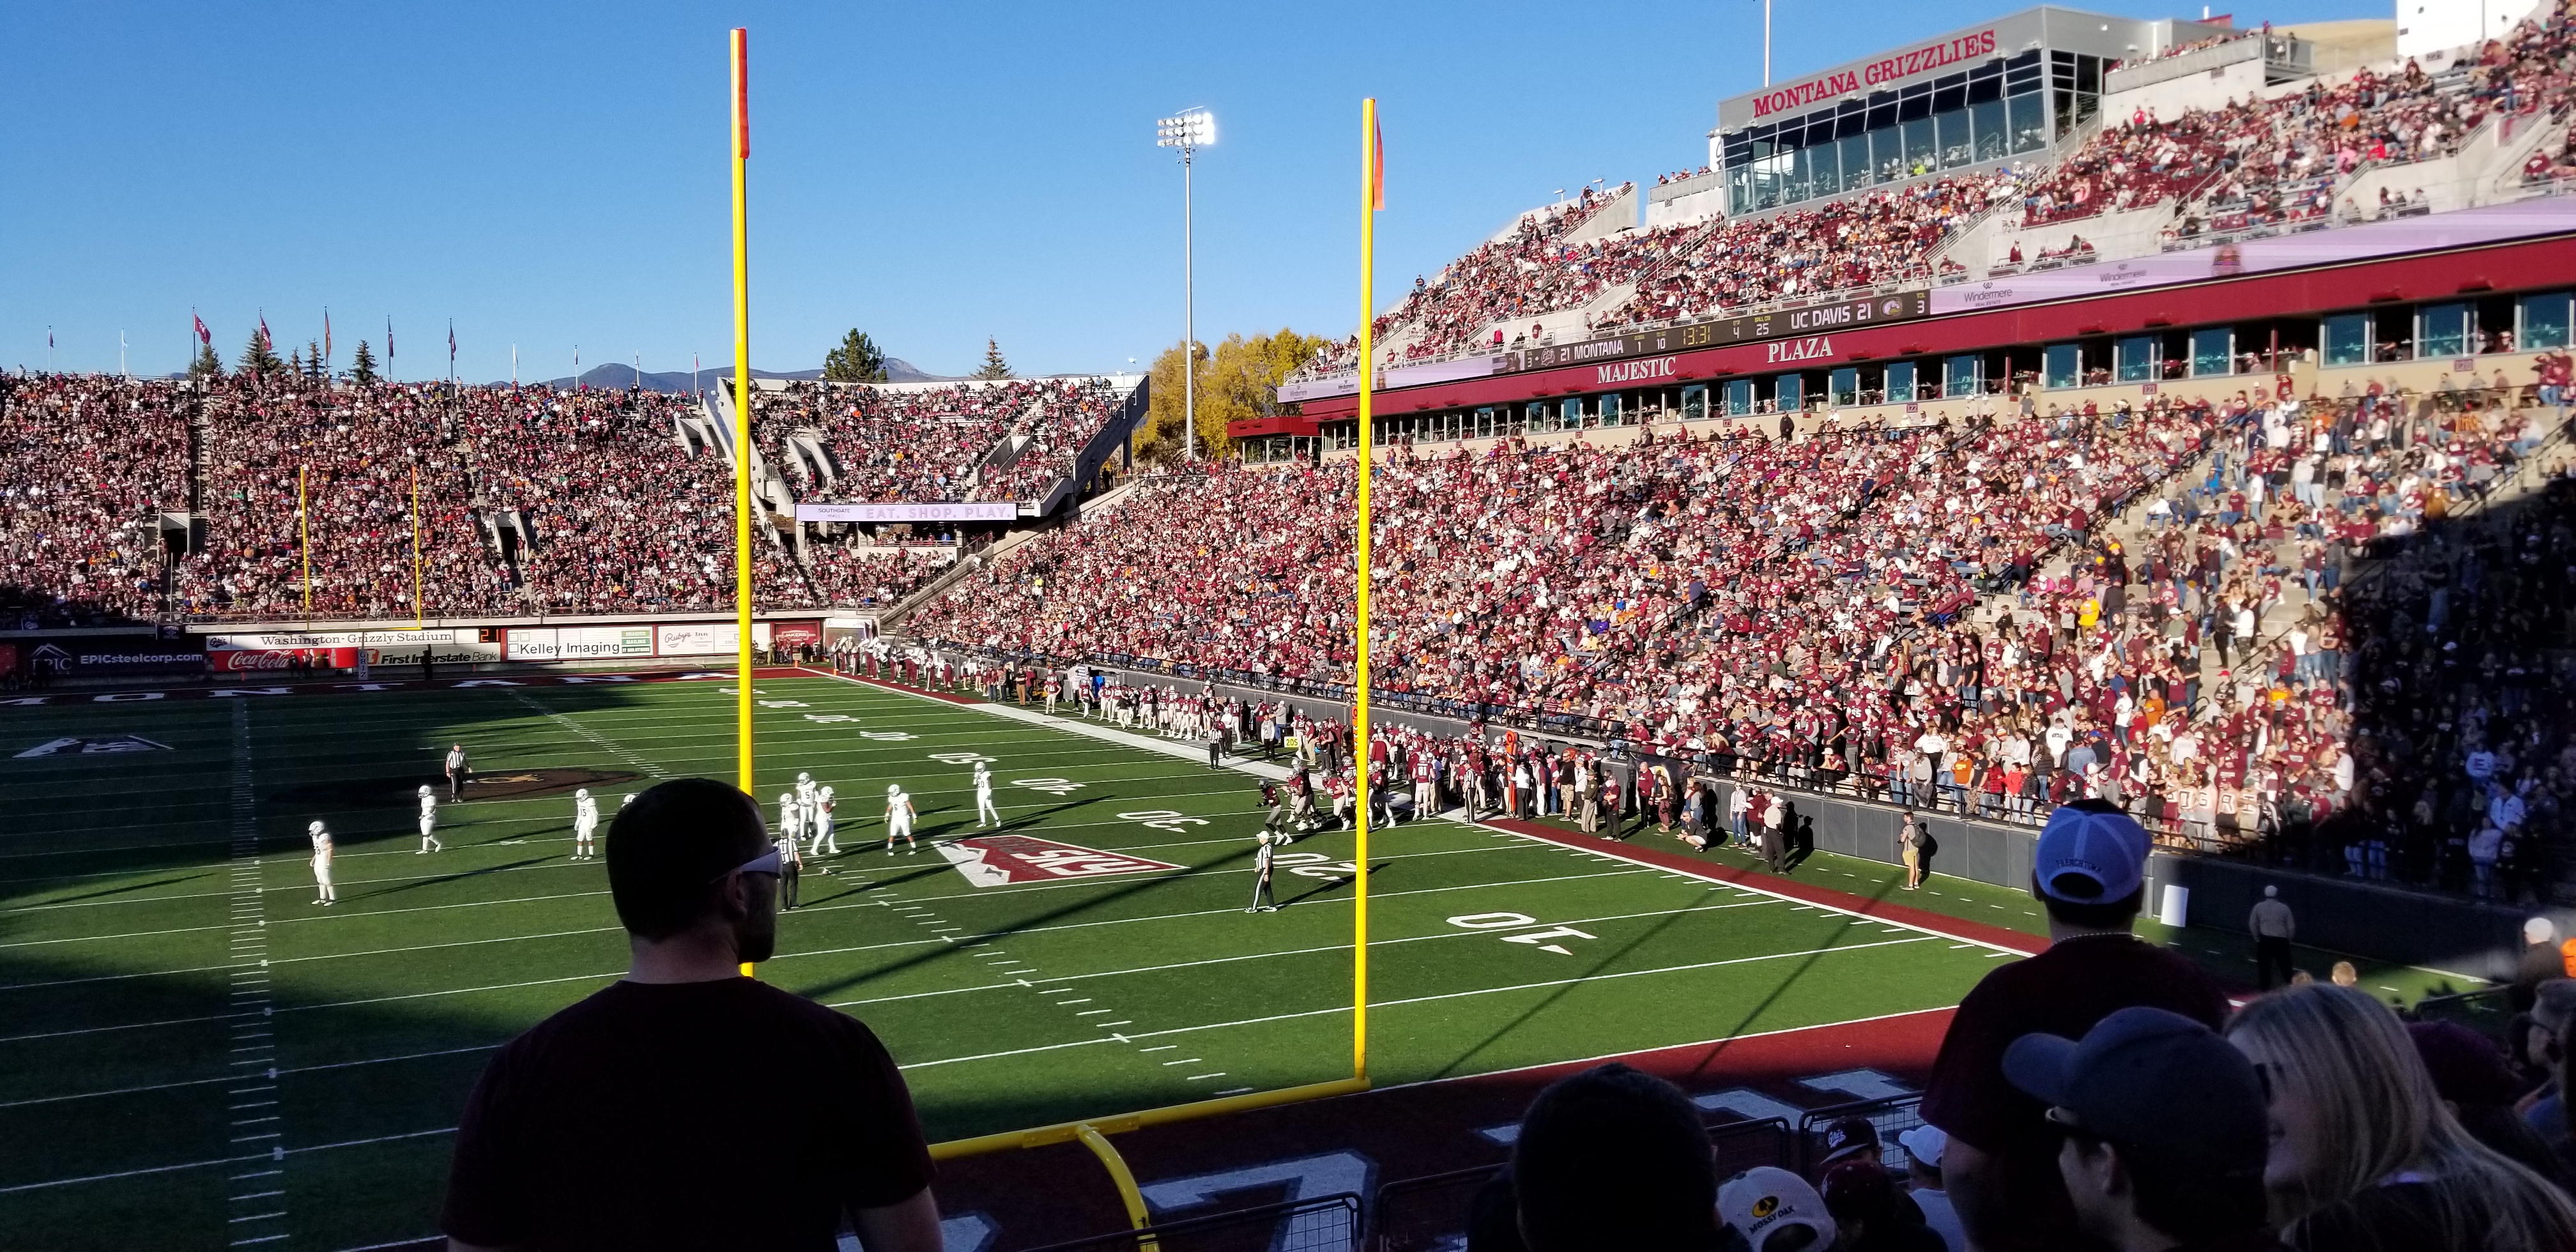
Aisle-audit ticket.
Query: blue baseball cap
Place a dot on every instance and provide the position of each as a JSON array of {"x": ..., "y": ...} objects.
[{"x": 2090, "y": 853}]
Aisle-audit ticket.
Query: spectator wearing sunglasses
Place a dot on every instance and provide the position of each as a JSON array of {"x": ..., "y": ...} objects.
[
  {"x": 2162, "y": 1131},
  {"x": 642, "y": 1117}
]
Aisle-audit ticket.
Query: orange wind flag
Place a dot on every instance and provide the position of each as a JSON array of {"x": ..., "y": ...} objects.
[{"x": 1377, "y": 165}]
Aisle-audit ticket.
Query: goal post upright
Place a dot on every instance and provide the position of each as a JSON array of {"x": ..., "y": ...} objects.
[
  {"x": 740, "y": 142},
  {"x": 1372, "y": 199}
]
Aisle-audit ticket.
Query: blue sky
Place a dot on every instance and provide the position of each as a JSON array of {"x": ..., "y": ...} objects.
[{"x": 553, "y": 175}]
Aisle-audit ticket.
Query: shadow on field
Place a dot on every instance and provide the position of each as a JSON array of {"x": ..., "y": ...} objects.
[
  {"x": 119, "y": 1017},
  {"x": 1753, "y": 1013}
]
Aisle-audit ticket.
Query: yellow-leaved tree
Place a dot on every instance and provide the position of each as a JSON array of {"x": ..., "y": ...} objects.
[{"x": 1240, "y": 379}]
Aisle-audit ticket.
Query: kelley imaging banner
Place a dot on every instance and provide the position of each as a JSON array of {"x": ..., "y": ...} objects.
[
  {"x": 975, "y": 511},
  {"x": 578, "y": 643}
]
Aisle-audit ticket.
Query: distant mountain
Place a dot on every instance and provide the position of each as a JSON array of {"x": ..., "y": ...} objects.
[{"x": 620, "y": 377}]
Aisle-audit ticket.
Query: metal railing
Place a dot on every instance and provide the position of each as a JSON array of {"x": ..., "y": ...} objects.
[
  {"x": 1432, "y": 1212},
  {"x": 1322, "y": 1224}
]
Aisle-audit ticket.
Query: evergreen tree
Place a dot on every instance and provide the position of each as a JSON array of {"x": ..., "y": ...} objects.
[
  {"x": 258, "y": 358},
  {"x": 994, "y": 365},
  {"x": 314, "y": 365},
  {"x": 295, "y": 360},
  {"x": 857, "y": 360},
  {"x": 207, "y": 364},
  {"x": 362, "y": 368}
]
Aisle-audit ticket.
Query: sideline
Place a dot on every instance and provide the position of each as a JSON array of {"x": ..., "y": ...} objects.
[{"x": 1997, "y": 938}]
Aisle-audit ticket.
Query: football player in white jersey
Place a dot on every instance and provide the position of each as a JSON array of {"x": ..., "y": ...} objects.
[
  {"x": 791, "y": 816},
  {"x": 322, "y": 865},
  {"x": 898, "y": 817},
  {"x": 428, "y": 822},
  {"x": 820, "y": 829},
  {"x": 986, "y": 814},
  {"x": 805, "y": 798},
  {"x": 585, "y": 823}
]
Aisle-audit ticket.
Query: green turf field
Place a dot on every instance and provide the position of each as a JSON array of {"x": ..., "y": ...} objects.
[{"x": 193, "y": 1054}]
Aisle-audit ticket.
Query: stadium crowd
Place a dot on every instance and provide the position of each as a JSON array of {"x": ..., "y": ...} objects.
[
  {"x": 1808, "y": 614},
  {"x": 531, "y": 500},
  {"x": 86, "y": 461},
  {"x": 932, "y": 443},
  {"x": 2250, "y": 162},
  {"x": 1530, "y": 272}
]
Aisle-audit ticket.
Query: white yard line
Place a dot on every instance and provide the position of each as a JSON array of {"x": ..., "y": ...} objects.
[
  {"x": 1342, "y": 948},
  {"x": 254, "y": 1043},
  {"x": 1375, "y": 1005}
]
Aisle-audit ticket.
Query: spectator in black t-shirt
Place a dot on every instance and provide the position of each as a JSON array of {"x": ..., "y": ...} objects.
[
  {"x": 645, "y": 1116},
  {"x": 2165, "y": 1132},
  {"x": 2000, "y": 1167}
]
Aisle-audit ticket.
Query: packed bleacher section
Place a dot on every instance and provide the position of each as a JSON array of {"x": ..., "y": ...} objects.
[
  {"x": 2269, "y": 157},
  {"x": 936, "y": 443},
  {"x": 1859, "y": 241},
  {"x": 1809, "y": 613},
  {"x": 2248, "y": 163},
  {"x": 531, "y": 500},
  {"x": 85, "y": 461},
  {"x": 1529, "y": 272}
]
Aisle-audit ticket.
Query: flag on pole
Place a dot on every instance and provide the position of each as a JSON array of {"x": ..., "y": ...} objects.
[
  {"x": 1377, "y": 166},
  {"x": 326, "y": 333},
  {"x": 264, "y": 340},
  {"x": 389, "y": 343},
  {"x": 451, "y": 341},
  {"x": 204, "y": 336}
]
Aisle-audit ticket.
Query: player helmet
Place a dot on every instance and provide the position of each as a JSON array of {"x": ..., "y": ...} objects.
[
  {"x": 826, "y": 791},
  {"x": 893, "y": 790},
  {"x": 424, "y": 788},
  {"x": 803, "y": 777},
  {"x": 787, "y": 797},
  {"x": 315, "y": 828},
  {"x": 581, "y": 793}
]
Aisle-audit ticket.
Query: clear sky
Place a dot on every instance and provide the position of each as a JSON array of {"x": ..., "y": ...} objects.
[{"x": 555, "y": 175}]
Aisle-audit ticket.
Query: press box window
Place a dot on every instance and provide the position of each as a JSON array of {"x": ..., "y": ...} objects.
[
  {"x": 2347, "y": 339},
  {"x": 2544, "y": 321},
  {"x": 2136, "y": 359},
  {"x": 2063, "y": 365}
]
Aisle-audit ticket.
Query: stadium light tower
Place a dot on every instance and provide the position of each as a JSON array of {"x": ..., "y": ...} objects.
[{"x": 1190, "y": 131}]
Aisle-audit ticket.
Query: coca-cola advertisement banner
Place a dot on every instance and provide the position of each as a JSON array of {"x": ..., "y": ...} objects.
[{"x": 233, "y": 654}]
